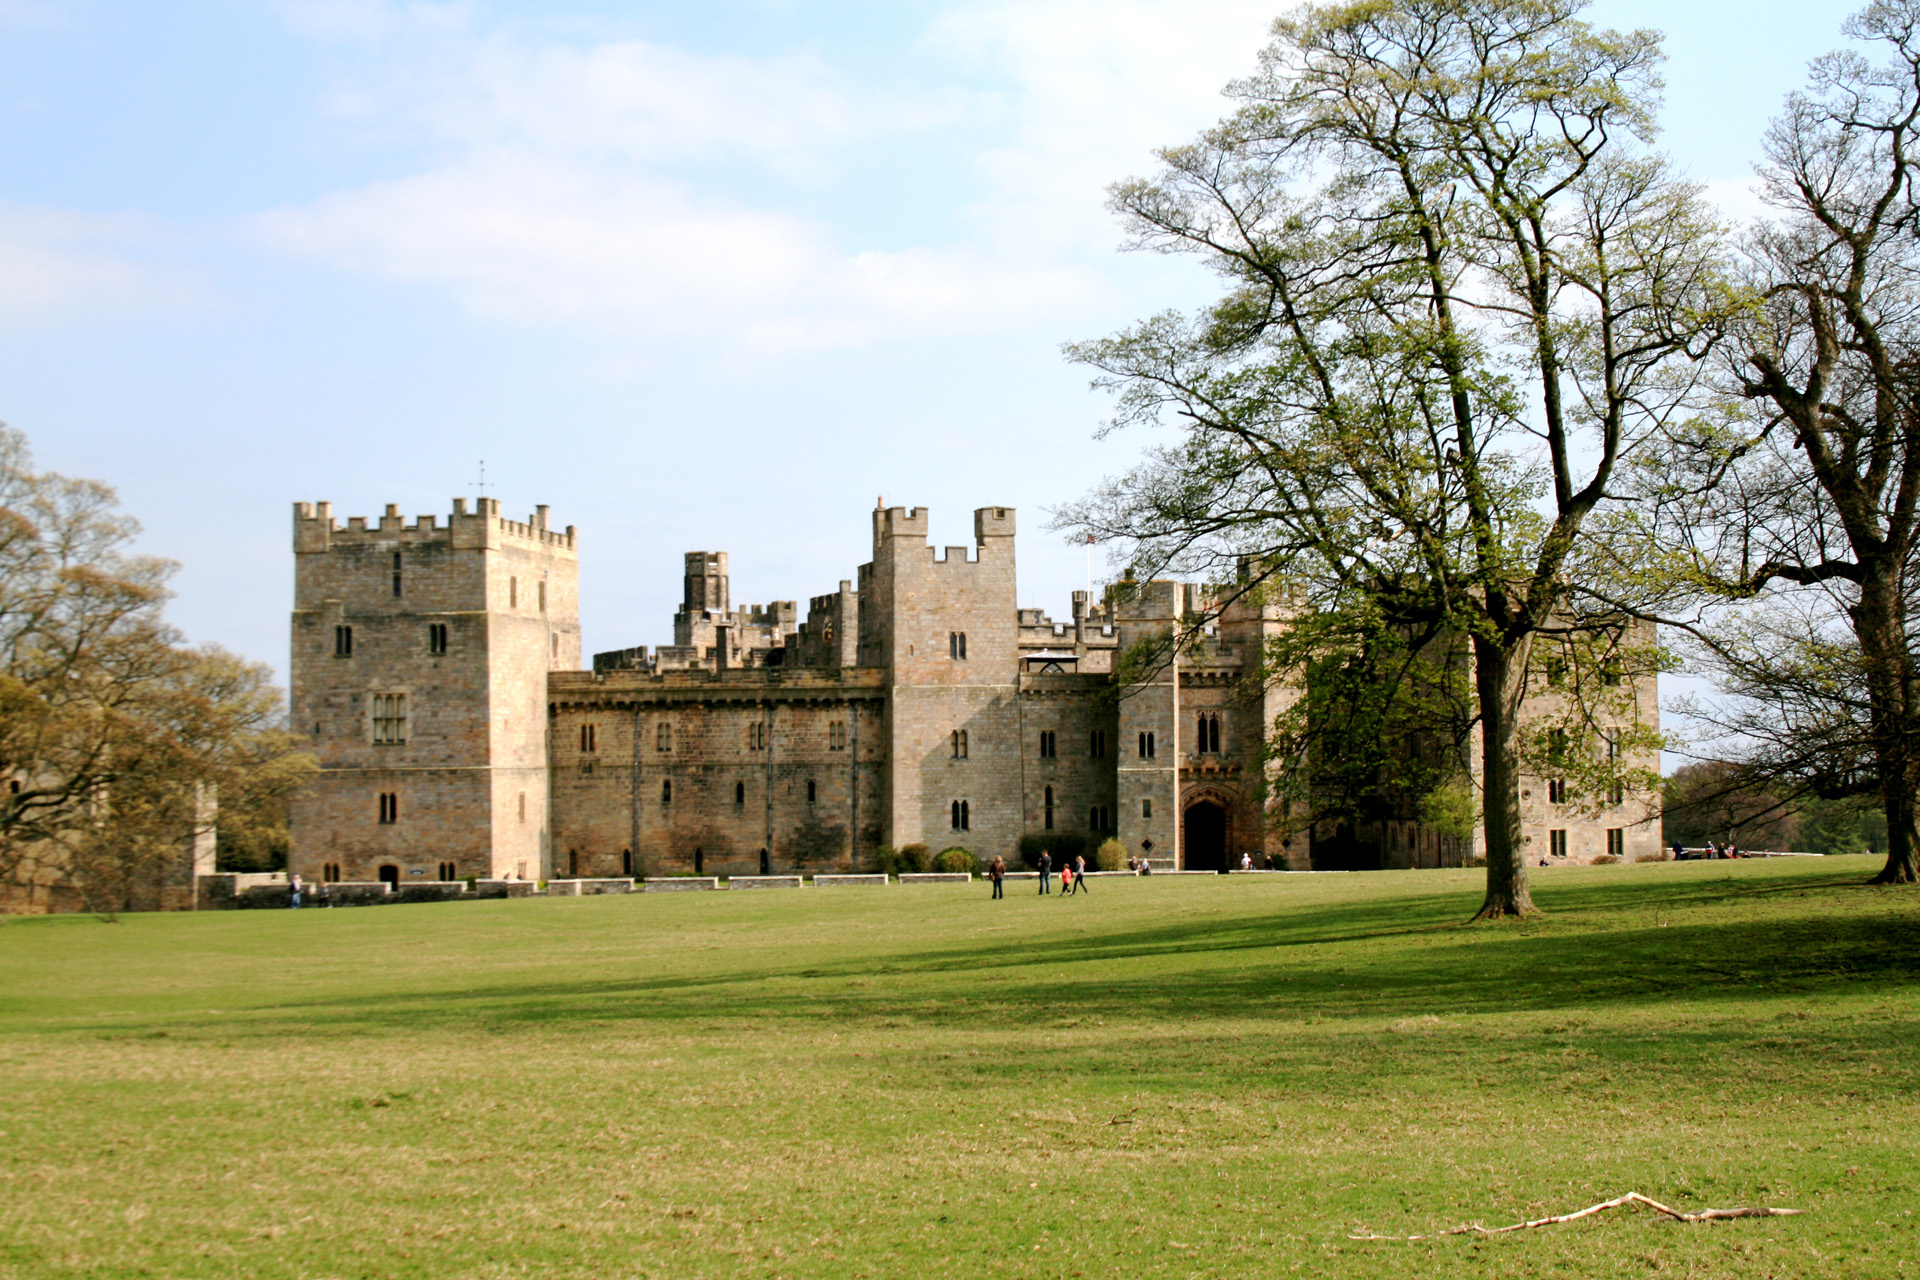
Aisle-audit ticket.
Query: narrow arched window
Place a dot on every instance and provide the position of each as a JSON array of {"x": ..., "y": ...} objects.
[
  {"x": 666, "y": 791},
  {"x": 1047, "y": 807}
]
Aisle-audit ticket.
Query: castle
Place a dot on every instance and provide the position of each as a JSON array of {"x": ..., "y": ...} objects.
[{"x": 437, "y": 669}]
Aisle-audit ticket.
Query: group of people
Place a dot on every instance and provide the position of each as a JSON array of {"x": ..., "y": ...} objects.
[
  {"x": 1711, "y": 850},
  {"x": 1073, "y": 875}
]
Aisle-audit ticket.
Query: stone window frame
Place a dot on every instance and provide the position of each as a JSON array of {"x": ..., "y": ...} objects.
[
  {"x": 957, "y": 645},
  {"x": 957, "y": 743},
  {"x": 1148, "y": 749},
  {"x": 1097, "y": 744},
  {"x": 1046, "y": 809},
  {"x": 961, "y": 815},
  {"x": 1557, "y": 843},
  {"x": 389, "y": 808},
  {"x": 389, "y": 717},
  {"x": 343, "y": 641},
  {"x": 436, "y": 638},
  {"x": 1049, "y": 744},
  {"x": 663, "y": 736}
]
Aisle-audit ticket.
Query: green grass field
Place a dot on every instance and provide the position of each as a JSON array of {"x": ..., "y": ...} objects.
[{"x": 1168, "y": 1077}]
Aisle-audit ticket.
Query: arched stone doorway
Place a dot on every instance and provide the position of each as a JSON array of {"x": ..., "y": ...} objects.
[
  {"x": 1203, "y": 837},
  {"x": 390, "y": 875}
]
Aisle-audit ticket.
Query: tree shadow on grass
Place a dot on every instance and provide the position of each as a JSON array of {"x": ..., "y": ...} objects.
[{"x": 1400, "y": 957}]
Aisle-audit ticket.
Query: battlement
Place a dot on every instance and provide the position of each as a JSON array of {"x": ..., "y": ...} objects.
[
  {"x": 316, "y": 531},
  {"x": 992, "y": 522},
  {"x": 896, "y": 525},
  {"x": 898, "y": 522}
]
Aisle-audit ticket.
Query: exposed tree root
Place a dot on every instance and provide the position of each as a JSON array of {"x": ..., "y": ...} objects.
[
  {"x": 1632, "y": 1197},
  {"x": 1504, "y": 911},
  {"x": 1895, "y": 872}
]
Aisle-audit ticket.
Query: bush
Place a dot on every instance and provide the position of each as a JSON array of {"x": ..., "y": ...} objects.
[
  {"x": 1063, "y": 846},
  {"x": 1662, "y": 856},
  {"x": 914, "y": 858},
  {"x": 955, "y": 860},
  {"x": 1110, "y": 856},
  {"x": 1605, "y": 860}
]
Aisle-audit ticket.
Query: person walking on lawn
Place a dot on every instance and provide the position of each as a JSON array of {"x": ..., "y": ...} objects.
[
  {"x": 1079, "y": 874},
  {"x": 1046, "y": 872},
  {"x": 997, "y": 873}
]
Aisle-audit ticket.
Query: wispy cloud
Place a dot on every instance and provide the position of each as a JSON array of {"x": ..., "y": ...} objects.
[
  {"x": 57, "y": 266},
  {"x": 649, "y": 188}
]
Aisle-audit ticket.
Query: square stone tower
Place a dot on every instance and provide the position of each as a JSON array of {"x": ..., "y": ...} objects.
[
  {"x": 419, "y": 668},
  {"x": 945, "y": 626}
]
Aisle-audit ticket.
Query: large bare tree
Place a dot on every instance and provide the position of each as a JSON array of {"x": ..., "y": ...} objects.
[
  {"x": 1800, "y": 494},
  {"x": 1459, "y": 294}
]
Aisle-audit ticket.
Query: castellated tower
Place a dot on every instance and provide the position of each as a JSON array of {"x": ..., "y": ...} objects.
[
  {"x": 420, "y": 660},
  {"x": 945, "y": 625}
]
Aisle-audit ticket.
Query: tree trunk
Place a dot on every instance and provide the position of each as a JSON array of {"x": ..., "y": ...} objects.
[
  {"x": 1883, "y": 643},
  {"x": 1900, "y": 836},
  {"x": 1500, "y": 679}
]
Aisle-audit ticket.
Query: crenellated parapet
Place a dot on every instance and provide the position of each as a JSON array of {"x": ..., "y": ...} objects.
[{"x": 482, "y": 528}]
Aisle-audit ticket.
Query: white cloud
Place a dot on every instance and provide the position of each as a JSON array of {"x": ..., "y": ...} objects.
[
  {"x": 521, "y": 237},
  {"x": 1098, "y": 85},
  {"x": 648, "y": 188},
  {"x": 56, "y": 265}
]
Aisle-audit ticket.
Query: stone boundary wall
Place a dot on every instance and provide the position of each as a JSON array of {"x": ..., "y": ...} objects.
[
  {"x": 840, "y": 882},
  {"x": 505, "y": 889},
  {"x": 582, "y": 888},
  {"x": 765, "y": 882},
  {"x": 937, "y": 877},
  {"x": 348, "y": 893},
  {"x": 427, "y": 891},
  {"x": 682, "y": 884}
]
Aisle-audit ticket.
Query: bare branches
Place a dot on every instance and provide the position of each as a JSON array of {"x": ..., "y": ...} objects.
[{"x": 1632, "y": 1197}]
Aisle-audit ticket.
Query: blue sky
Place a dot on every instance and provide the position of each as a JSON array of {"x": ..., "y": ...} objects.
[{"x": 701, "y": 276}]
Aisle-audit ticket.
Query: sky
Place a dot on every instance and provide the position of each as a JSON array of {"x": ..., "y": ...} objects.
[{"x": 709, "y": 276}]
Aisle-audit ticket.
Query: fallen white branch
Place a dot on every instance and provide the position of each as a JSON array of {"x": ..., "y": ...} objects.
[{"x": 1632, "y": 1197}]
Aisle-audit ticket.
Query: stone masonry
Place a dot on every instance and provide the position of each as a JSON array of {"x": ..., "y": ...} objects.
[{"x": 437, "y": 669}]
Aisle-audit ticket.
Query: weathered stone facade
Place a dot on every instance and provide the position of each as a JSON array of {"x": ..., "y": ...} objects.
[{"x": 917, "y": 703}]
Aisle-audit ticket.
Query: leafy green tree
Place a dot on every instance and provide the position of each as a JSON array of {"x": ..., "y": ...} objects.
[
  {"x": 118, "y": 744},
  {"x": 1457, "y": 297}
]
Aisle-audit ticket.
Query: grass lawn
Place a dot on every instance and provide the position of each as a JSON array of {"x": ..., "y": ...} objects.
[{"x": 1166, "y": 1077}]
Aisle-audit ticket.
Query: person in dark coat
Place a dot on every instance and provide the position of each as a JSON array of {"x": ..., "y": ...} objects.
[
  {"x": 1046, "y": 872},
  {"x": 997, "y": 872},
  {"x": 1079, "y": 874}
]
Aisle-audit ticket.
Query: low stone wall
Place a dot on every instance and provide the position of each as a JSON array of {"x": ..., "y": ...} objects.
[
  {"x": 431, "y": 891},
  {"x": 588, "y": 888},
  {"x": 347, "y": 893},
  {"x": 504, "y": 889},
  {"x": 1023, "y": 875},
  {"x": 841, "y": 882},
  {"x": 936, "y": 877},
  {"x": 682, "y": 884},
  {"x": 765, "y": 882}
]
